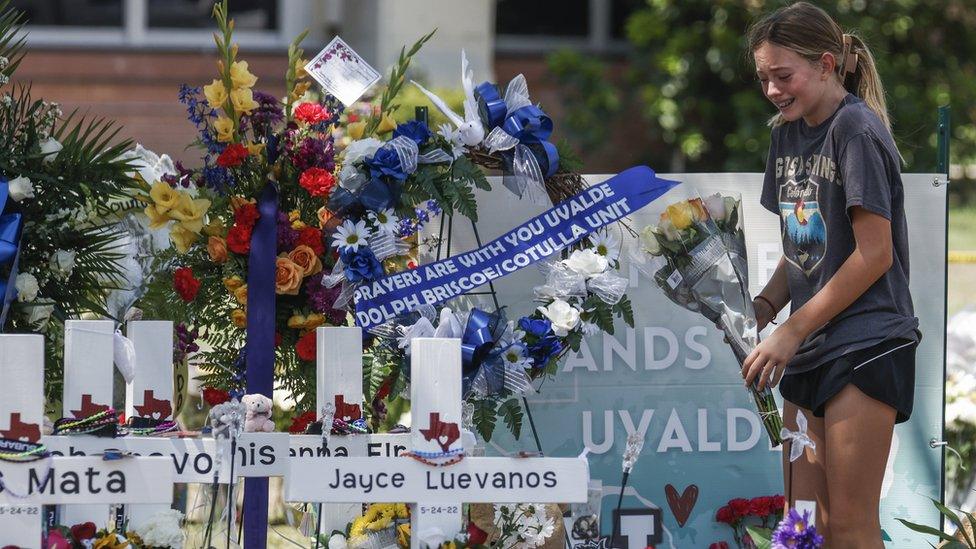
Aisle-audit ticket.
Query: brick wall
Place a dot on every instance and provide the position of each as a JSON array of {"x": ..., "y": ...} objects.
[{"x": 139, "y": 90}]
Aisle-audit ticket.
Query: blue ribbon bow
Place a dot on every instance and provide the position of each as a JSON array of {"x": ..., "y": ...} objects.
[
  {"x": 529, "y": 124},
  {"x": 479, "y": 348},
  {"x": 11, "y": 228},
  {"x": 375, "y": 195}
]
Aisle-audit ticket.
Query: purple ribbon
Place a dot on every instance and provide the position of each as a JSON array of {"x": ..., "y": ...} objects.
[{"x": 260, "y": 353}]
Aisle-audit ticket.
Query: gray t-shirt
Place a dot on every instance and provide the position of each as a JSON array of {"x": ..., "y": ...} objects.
[{"x": 814, "y": 175}]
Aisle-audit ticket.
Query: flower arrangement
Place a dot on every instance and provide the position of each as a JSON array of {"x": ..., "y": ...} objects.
[
  {"x": 160, "y": 531},
  {"x": 523, "y": 525},
  {"x": 793, "y": 532},
  {"x": 64, "y": 186},
  {"x": 741, "y": 514},
  {"x": 696, "y": 255}
]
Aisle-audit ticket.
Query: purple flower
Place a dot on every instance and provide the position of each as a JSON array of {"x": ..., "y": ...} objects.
[
  {"x": 185, "y": 343},
  {"x": 322, "y": 299},
  {"x": 287, "y": 237},
  {"x": 795, "y": 531},
  {"x": 267, "y": 115},
  {"x": 313, "y": 153}
]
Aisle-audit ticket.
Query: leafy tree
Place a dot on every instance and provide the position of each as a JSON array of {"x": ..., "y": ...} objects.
[{"x": 692, "y": 82}]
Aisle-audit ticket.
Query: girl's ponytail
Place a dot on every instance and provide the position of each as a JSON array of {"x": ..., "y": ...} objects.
[{"x": 860, "y": 76}]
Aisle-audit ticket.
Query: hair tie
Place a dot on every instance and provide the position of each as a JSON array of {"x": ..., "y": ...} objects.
[{"x": 849, "y": 58}]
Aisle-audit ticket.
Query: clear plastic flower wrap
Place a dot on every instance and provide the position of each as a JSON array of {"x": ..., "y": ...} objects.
[{"x": 696, "y": 254}]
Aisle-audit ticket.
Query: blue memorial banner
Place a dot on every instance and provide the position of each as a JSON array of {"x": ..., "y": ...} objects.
[{"x": 535, "y": 240}]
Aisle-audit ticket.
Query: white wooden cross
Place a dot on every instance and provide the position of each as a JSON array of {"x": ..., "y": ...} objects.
[
  {"x": 339, "y": 381},
  {"x": 56, "y": 480},
  {"x": 437, "y": 492},
  {"x": 192, "y": 460}
]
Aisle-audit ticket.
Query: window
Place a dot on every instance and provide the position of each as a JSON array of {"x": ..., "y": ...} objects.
[
  {"x": 545, "y": 25},
  {"x": 161, "y": 24}
]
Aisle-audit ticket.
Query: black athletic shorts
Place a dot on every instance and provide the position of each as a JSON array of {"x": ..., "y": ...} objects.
[{"x": 884, "y": 372}]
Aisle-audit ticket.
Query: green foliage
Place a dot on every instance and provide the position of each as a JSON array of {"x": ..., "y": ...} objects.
[
  {"x": 396, "y": 81},
  {"x": 690, "y": 79},
  {"x": 485, "y": 417},
  {"x": 511, "y": 412},
  {"x": 762, "y": 537},
  {"x": 967, "y": 540}
]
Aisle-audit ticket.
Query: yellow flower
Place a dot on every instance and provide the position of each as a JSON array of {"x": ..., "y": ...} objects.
[
  {"x": 449, "y": 545},
  {"x": 189, "y": 212},
  {"x": 239, "y": 318},
  {"x": 300, "y": 68},
  {"x": 164, "y": 196},
  {"x": 215, "y": 228},
  {"x": 216, "y": 94},
  {"x": 681, "y": 215},
  {"x": 110, "y": 541},
  {"x": 294, "y": 216},
  {"x": 358, "y": 528},
  {"x": 233, "y": 282},
  {"x": 240, "y": 77},
  {"x": 255, "y": 149},
  {"x": 356, "y": 130},
  {"x": 243, "y": 100},
  {"x": 403, "y": 535},
  {"x": 225, "y": 129},
  {"x": 157, "y": 219},
  {"x": 402, "y": 511},
  {"x": 299, "y": 90},
  {"x": 387, "y": 124},
  {"x": 182, "y": 238}
]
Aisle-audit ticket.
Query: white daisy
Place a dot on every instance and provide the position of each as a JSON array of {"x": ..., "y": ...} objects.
[
  {"x": 606, "y": 244},
  {"x": 351, "y": 235},
  {"x": 517, "y": 355},
  {"x": 386, "y": 221}
]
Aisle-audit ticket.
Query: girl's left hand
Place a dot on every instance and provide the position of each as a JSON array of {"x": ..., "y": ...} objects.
[{"x": 769, "y": 359}]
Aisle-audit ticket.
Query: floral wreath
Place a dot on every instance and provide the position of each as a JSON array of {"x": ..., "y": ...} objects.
[{"x": 353, "y": 216}]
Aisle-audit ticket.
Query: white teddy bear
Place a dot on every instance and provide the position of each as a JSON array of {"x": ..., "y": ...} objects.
[{"x": 258, "y": 418}]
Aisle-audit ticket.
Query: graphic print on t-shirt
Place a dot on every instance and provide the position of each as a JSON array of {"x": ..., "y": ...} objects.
[{"x": 804, "y": 230}]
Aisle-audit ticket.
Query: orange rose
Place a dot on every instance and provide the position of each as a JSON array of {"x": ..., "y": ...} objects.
[
  {"x": 288, "y": 276},
  {"x": 240, "y": 294},
  {"x": 239, "y": 318},
  {"x": 305, "y": 257},
  {"x": 237, "y": 201},
  {"x": 217, "y": 248},
  {"x": 324, "y": 216}
]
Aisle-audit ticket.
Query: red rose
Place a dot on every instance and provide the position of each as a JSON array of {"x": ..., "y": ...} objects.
[
  {"x": 312, "y": 113},
  {"x": 725, "y": 515},
  {"x": 476, "y": 535},
  {"x": 185, "y": 284},
  {"x": 312, "y": 237},
  {"x": 233, "y": 155},
  {"x": 317, "y": 182},
  {"x": 719, "y": 545},
  {"x": 758, "y": 506},
  {"x": 740, "y": 507},
  {"x": 305, "y": 348},
  {"x": 778, "y": 504},
  {"x": 214, "y": 396},
  {"x": 239, "y": 239},
  {"x": 247, "y": 215},
  {"x": 277, "y": 339},
  {"x": 56, "y": 540},
  {"x": 299, "y": 423},
  {"x": 352, "y": 117},
  {"x": 83, "y": 532}
]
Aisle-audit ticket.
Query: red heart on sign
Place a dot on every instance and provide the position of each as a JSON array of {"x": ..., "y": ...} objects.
[{"x": 682, "y": 505}]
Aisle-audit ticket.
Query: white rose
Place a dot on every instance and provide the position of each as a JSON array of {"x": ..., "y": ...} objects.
[
  {"x": 731, "y": 205},
  {"x": 62, "y": 263},
  {"x": 50, "y": 147},
  {"x": 20, "y": 188},
  {"x": 587, "y": 262},
  {"x": 27, "y": 287},
  {"x": 715, "y": 205},
  {"x": 39, "y": 315},
  {"x": 563, "y": 316},
  {"x": 649, "y": 239},
  {"x": 358, "y": 150},
  {"x": 670, "y": 232},
  {"x": 338, "y": 541}
]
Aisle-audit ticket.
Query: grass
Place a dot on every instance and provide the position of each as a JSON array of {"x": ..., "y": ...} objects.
[{"x": 962, "y": 228}]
